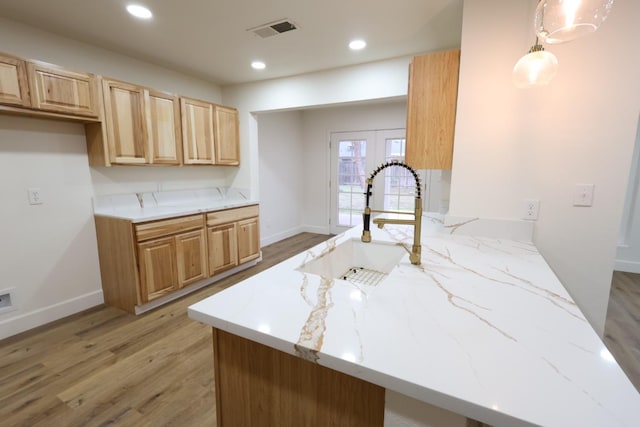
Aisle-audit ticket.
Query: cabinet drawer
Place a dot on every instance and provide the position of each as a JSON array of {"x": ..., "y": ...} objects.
[
  {"x": 231, "y": 215},
  {"x": 165, "y": 227}
]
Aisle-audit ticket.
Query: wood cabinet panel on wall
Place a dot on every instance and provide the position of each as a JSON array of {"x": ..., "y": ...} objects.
[
  {"x": 198, "y": 133},
  {"x": 64, "y": 91},
  {"x": 14, "y": 86},
  {"x": 227, "y": 136},
  {"x": 431, "y": 110}
]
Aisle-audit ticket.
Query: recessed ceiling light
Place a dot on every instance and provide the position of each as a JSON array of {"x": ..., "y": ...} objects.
[
  {"x": 139, "y": 11},
  {"x": 357, "y": 44},
  {"x": 258, "y": 65}
]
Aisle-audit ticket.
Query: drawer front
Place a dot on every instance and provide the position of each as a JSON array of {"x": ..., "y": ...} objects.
[
  {"x": 165, "y": 227},
  {"x": 231, "y": 215}
]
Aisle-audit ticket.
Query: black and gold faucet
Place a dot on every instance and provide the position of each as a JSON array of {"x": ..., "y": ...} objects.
[{"x": 416, "y": 249}]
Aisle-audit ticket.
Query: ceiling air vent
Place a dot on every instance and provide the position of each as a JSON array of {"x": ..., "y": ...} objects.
[{"x": 273, "y": 28}]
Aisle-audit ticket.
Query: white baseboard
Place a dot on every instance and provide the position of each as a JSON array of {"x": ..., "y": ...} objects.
[
  {"x": 316, "y": 229},
  {"x": 292, "y": 232},
  {"x": 497, "y": 228},
  {"x": 627, "y": 266},
  {"x": 280, "y": 236},
  {"x": 24, "y": 322}
]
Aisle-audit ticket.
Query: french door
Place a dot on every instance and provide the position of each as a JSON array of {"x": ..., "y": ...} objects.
[{"x": 354, "y": 155}]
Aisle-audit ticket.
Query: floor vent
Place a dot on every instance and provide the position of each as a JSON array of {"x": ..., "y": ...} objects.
[{"x": 273, "y": 28}]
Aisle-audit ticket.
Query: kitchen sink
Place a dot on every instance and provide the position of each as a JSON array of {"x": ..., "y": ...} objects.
[{"x": 357, "y": 262}]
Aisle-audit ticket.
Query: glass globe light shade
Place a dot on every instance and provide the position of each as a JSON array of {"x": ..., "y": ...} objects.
[
  {"x": 536, "y": 68},
  {"x": 559, "y": 21}
]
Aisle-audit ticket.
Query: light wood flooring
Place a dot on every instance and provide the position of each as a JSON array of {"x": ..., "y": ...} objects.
[
  {"x": 622, "y": 328},
  {"x": 107, "y": 367}
]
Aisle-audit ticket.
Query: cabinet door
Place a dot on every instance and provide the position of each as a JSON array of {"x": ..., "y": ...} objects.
[
  {"x": 223, "y": 249},
  {"x": 163, "y": 126},
  {"x": 158, "y": 274},
  {"x": 227, "y": 136},
  {"x": 197, "y": 132},
  {"x": 63, "y": 91},
  {"x": 248, "y": 240},
  {"x": 191, "y": 253},
  {"x": 431, "y": 110},
  {"x": 126, "y": 123},
  {"x": 14, "y": 87}
]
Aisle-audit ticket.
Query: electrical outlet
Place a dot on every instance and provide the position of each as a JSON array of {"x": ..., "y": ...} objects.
[
  {"x": 530, "y": 208},
  {"x": 35, "y": 196}
]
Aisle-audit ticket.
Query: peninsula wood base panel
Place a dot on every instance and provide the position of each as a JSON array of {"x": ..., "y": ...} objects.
[{"x": 259, "y": 386}]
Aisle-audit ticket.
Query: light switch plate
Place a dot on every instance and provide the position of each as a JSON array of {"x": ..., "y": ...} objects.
[{"x": 583, "y": 195}]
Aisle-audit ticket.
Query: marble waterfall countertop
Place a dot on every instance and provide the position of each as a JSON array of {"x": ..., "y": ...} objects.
[
  {"x": 148, "y": 206},
  {"x": 482, "y": 328}
]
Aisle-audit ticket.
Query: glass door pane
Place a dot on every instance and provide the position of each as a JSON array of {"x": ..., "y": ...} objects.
[{"x": 352, "y": 156}]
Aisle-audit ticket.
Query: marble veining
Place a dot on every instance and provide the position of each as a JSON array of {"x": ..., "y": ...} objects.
[
  {"x": 482, "y": 328},
  {"x": 149, "y": 206}
]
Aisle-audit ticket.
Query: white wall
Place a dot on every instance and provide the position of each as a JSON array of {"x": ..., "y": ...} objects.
[
  {"x": 48, "y": 253},
  {"x": 295, "y": 162},
  {"x": 378, "y": 80},
  {"x": 628, "y": 251},
  {"x": 318, "y": 124},
  {"x": 513, "y": 144},
  {"x": 282, "y": 175}
]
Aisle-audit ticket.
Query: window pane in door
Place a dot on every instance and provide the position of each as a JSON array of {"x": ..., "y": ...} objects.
[
  {"x": 351, "y": 181},
  {"x": 399, "y": 185}
]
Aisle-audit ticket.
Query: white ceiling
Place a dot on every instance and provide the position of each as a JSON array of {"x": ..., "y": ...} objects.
[{"x": 208, "y": 38}]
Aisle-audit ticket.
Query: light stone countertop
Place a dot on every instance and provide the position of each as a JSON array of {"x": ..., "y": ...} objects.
[
  {"x": 149, "y": 206},
  {"x": 482, "y": 328}
]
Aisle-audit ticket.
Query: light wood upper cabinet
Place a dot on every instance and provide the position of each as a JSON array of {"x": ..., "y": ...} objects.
[
  {"x": 64, "y": 91},
  {"x": 14, "y": 86},
  {"x": 227, "y": 136},
  {"x": 142, "y": 125},
  {"x": 431, "y": 109},
  {"x": 197, "y": 132},
  {"x": 163, "y": 128},
  {"x": 126, "y": 124}
]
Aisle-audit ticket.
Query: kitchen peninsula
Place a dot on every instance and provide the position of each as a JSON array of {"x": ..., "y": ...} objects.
[{"x": 482, "y": 328}]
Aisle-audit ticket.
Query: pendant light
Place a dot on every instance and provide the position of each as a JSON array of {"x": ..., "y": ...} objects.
[
  {"x": 559, "y": 21},
  {"x": 536, "y": 68}
]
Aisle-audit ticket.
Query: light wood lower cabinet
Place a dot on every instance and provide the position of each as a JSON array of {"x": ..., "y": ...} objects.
[
  {"x": 191, "y": 254},
  {"x": 158, "y": 272},
  {"x": 248, "y": 239},
  {"x": 223, "y": 248},
  {"x": 141, "y": 262},
  {"x": 234, "y": 237}
]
